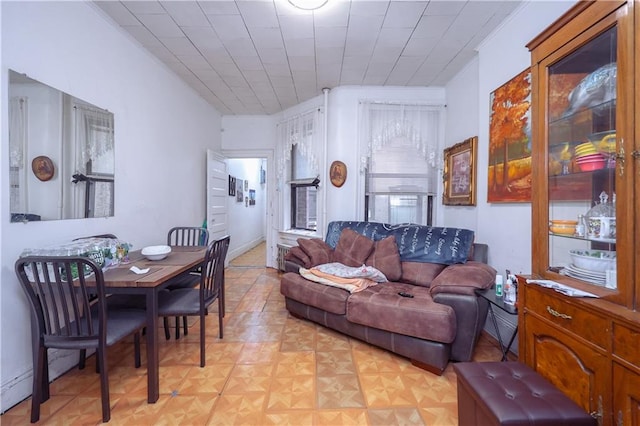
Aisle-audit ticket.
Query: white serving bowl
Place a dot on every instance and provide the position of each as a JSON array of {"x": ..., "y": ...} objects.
[
  {"x": 156, "y": 252},
  {"x": 594, "y": 260}
]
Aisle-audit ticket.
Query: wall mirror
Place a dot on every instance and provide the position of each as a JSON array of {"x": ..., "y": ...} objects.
[{"x": 61, "y": 154}]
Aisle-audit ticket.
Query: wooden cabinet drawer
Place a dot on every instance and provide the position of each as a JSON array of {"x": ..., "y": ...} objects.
[
  {"x": 553, "y": 307},
  {"x": 626, "y": 343}
]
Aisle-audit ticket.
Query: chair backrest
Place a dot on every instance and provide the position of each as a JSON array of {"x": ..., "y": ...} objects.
[
  {"x": 213, "y": 268},
  {"x": 188, "y": 236},
  {"x": 59, "y": 295}
]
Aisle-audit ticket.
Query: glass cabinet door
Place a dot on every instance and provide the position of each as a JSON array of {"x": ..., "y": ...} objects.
[{"x": 581, "y": 152}]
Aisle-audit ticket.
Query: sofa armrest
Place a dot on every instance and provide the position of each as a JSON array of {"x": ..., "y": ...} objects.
[
  {"x": 463, "y": 278},
  {"x": 292, "y": 266}
]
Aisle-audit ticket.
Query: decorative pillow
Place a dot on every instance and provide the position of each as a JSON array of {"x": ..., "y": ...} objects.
[
  {"x": 386, "y": 258},
  {"x": 317, "y": 250},
  {"x": 352, "y": 249}
]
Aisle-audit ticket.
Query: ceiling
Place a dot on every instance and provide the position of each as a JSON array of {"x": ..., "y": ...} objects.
[{"x": 264, "y": 56}]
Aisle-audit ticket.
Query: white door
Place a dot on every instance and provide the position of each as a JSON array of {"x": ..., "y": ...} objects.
[{"x": 217, "y": 191}]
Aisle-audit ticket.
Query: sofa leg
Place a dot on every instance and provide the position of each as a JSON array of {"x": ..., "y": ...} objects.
[{"x": 429, "y": 368}]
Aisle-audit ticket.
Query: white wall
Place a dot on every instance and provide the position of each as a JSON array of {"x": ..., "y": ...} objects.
[
  {"x": 162, "y": 131},
  {"x": 246, "y": 223}
]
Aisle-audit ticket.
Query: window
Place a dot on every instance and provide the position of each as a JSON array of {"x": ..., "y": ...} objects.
[
  {"x": 304, "y": 192},
  {"x": 298, "y": 149},
  {"x": 399, "y": 154}
]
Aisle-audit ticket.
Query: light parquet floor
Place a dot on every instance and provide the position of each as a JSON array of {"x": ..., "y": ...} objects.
[{"x": 270, "y": 369}]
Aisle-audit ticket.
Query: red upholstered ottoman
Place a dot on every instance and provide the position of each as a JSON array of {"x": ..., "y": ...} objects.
[{"x": 511, "y": 393}]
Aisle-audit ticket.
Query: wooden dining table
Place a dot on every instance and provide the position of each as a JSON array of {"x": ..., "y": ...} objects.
[{"x": 121, "y": 280}]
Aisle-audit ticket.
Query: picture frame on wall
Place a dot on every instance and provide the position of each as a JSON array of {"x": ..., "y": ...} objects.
[
  {"x": 509, "y": 169},
  {"x": 460, "y": 173},
  {"x": 239, "y": 190},
  {"x": 246, "y": 185},
  {"x": 252, "y": 197},
  {"x": 232, "y": 186}
]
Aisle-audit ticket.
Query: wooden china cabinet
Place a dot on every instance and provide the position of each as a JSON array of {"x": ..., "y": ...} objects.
[{"x": 586, "y": 168}]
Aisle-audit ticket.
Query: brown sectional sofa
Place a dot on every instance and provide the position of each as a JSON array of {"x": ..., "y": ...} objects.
[{"x": 443, "y": 319}]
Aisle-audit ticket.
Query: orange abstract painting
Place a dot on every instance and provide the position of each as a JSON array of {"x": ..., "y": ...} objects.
[{"x": 509, "y": 176}]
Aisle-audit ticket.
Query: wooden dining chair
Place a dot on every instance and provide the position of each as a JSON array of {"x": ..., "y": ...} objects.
[
  {"x": 63, "y": 317},
  {"x": 184, "y": 236},
  {"x": 196, "y": 301}
]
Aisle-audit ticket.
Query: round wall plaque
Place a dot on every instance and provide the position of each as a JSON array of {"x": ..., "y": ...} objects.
[
  {"x": 338, "y": 173},
  {"x": 43, "y": 168}
]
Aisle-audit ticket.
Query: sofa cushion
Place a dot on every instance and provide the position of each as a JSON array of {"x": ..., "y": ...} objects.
[
  {"x": 297, "y": 255},
  {"x": 330, "y": 299},
  {"x": 463, "y": 279},
  {"x": 386, "y": 258},
  {"x": 382, "y": 307},
  {"x": 421, "y": 274},
  {"x": 352, "y": 249},
  {"x": 317, "y": 250}
]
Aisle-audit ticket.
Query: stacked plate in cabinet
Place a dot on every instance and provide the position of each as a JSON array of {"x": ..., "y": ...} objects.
[{"x": 595, "y": 277}]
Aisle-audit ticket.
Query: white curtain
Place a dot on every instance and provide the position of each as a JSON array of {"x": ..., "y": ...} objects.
[
  {"x": 403, "y": 140},
  {"x": 17, "y": 143},
  {"x": 94, "y": 139},
  {"x": 305, "y": 132}
]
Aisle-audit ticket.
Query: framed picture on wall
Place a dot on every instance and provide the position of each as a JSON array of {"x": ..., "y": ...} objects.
[
  {"x": 239, "y": 190},
  {"x": 460, "y": 174},
  {"x": 252, "y": 197},
  {"x": 246, "y": 185},
  {"x": 232, "y": 186}
]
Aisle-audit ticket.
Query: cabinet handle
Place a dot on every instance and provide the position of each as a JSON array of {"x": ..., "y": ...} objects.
[
  {"x": 620, "y": 156},
  {"x": 558, "y": 314}
]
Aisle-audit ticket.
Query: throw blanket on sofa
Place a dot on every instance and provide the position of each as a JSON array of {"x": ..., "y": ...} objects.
[
  {"x": 344, "y": 277},
  {"x": 416, "y": 243}
]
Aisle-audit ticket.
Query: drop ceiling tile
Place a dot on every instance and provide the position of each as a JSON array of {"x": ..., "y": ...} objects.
[
  {"x": 419, "y": 46},
  {"x": 393, "y": 37},
  {"x": 404, "y": 14},
  {"x": 228, "y": 27},
  {"x": 256, "y": 76},
  {"x": 266, "y": 38},
  {"x": 143, "y": 6},
  {"x": 296, "y": 26},
  {"x": 335, "y": 16},
  {"x": 444, "y": 7},
  {"x": 433, "y": 26},
  {"x": 219, "y": 7},
  {"x": 302, "y": 63},
  {"x": 226, "y": 70},
  {"x": 179, "y": 45},
  {"x": 217, "y": 56},
  {"x": 329, "y": 55},
  {"x": 248, "y": 63},
  {"x": 405, "y": 68},
  {"x": 389, "y": 52},
  {"x": 359, "y": 47},
  {"x": 273, "y": 56},
  {"x": 203, "y": 37},
  {"x": 160, "y": 25},
  {"x": 179, "y": 68},
  {"x": 364, "y": 27},
  {"x": 119, "y": 13},
  {"x": 280, "y": 82},
  {"x": 277, "y": 70},
  {"x": 210, "y": 77},
  {"x": 304, "y": 78},
  {"x": 186, "y": 13},
  {"x": 369, "y": 8},
  {"x": 258, "y": 14},
  {"x": 331, "y": 37},
  {"x": 240, "y": 47},
  {"x": 300, "y": 46}
]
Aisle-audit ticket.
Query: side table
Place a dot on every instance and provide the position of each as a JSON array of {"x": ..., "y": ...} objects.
[{"x": 489, "y": 295}]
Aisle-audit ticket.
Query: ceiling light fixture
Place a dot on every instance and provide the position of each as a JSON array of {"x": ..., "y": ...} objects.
[{"x": 308, "y": 4}]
